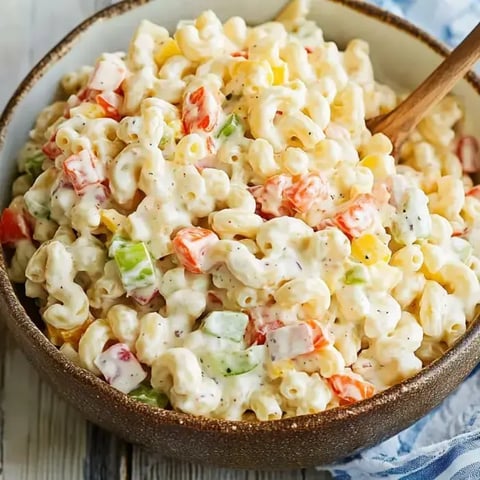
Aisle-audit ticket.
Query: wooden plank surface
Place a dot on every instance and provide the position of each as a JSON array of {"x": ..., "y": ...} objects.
[{"x": 42, "y": 437}]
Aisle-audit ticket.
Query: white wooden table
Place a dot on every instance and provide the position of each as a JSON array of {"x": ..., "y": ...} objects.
[{"x": 42, "y": 438}]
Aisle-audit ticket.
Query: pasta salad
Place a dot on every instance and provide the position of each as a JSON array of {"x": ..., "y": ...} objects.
[{"x": 207, "y": 223}]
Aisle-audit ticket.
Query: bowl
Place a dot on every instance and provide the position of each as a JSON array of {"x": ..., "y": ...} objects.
[{"x": 402, "y": 56}]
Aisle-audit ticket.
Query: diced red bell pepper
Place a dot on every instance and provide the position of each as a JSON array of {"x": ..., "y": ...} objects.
[
  {"x": 81, "y": 171},
  {"x": 468, "y": 151},
  {"x": 143, "y": 296},
  {"x": 283, "y": 195},
  {"x": 460, "y": 233},
  {"x": 211, "y": 147},
  {"x": 357, "y": 216},
  {"x": 350, "y": 389},
  {"x": 87, "y": 94},
  {"x": 13, "y": 227},
  {"x": 191, "y": 245},
  {"x": 474, "y": 192},
  {"x": 51, "y": 149},
  {"x": 326, "y": 223},
  {"x": 257, "y": 335},
  {"x": 261, "y": 321},
  {"x": 201, "y": 111},
  {"x": 111, "y": 102},
  {"x": 270, "y": 196},
  {"x": 101, "y": 193},
  {"x": 107, "y": 76},
  {"x": 240, "y": 53},
  {"x": 301, "y": 195},
  {"x": 321, "y": 337}
]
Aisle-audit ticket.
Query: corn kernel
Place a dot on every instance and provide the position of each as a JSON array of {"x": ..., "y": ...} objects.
[
  {"x": 268, "y": 73},
  {"x": 254, "y": 72},
  {"x": 113, "y": 220},
  {"x": 54, "y": 335},
  {"x": 369, "y": 250},
  {"x": 88, "y": 110},
  {"x": 381, "y": 165},
  {"x": 59, "y": 336},
  {"x": 166, "y": 50},
  {"x": 279, "y": 368},
  {"x": 280, "y": 74}
]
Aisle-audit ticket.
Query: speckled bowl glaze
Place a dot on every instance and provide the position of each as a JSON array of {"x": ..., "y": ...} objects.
[{"x": 402, "y": 56}]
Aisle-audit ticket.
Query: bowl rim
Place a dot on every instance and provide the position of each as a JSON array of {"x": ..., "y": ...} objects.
[{"x": 18, "y": 314}]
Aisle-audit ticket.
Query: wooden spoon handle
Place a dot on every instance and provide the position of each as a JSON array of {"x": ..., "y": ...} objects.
[{"x": 403, "y": 119}]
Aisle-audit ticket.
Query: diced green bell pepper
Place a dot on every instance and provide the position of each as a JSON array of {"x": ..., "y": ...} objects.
[
  {"x": 229, "y": 325},
  {"x": 149, "y": 396},
  {"x": 33, "y": 164},
  {"x": 135, "y": 265},
  {"x": 229, "y": 363},
  {"x": 117, "y": 242},
  {"x": 230, "y": 126},
  {"x": 356, "y": 275}
]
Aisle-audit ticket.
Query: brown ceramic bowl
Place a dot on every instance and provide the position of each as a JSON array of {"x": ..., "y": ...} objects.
[{"x": 295, "y": 442}]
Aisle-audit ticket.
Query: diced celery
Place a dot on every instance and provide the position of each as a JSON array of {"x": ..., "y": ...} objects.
[
  {"x": 230, "y": 126},
  {"x": 234, "y": 362},
  {"x": 36, "y": 208},
  {"x": 149, "y": 396},
  {"x": 356, "y": 275},
  {"x": 135, "y": 265},
  {"x": 117, "y": 242},
  {"x": 33, "y": 164},
  {"x": 229, "y": 325}
]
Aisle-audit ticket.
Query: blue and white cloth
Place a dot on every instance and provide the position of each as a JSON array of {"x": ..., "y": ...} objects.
[
  {"x": 448, "y": 20},
  {"x": 444, "y": 445}
]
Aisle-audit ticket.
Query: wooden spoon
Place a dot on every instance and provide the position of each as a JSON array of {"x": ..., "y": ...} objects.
[{"x": 405, "y": 117}]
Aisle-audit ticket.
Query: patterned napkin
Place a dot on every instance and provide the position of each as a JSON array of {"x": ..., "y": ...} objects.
[
  {"x": 444, "y": 445},
  {"x": 448, "y": 20}
]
